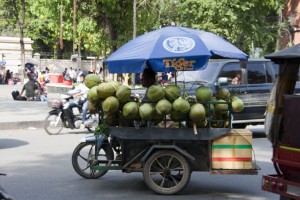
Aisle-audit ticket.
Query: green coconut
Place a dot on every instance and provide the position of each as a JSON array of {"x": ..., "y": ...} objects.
[
  {"x": 221, "y": 107},
  {"x": 146, "y": 111},
  {"x": 106, "y": 89},
  {"x": 110, "y": 104},
  {"x": 92, "y": 80},
  {"x": 172, "y": 92},
  {"x": 164, "y": 107},
  {"x": 93, "y": 94},
  {"x": 197, "y": 112},
  {"x": 115, "y": 84},
  {"x": 155, "y": 93},
  {"x": 203, "y": 93},
  {"x": 181, "y": 105},
  {"x": 237, "y": 104},
  {"x": 130, "y": 110},
  {"x": 111, "y": 119},
  {"x": 92, "y": 107},
  {"x": 223, "y": 93},
  {"x": 123, "y": 93}
]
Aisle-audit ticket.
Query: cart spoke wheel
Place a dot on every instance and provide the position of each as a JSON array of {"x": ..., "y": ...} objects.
[
  {"x": 83, "y": 159},
  {"x": 166, "y": 172}
]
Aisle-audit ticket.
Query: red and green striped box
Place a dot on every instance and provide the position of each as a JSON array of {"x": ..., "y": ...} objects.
[{"x": 233, "y": 150}]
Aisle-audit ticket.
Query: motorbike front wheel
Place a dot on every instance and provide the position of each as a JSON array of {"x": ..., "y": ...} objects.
[
  {"x": 84, "y": 158},
  {"x": 53, "y": 124}
]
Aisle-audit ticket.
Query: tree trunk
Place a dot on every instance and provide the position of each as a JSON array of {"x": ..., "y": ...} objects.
[
  {"x": 21, "y": 25},
  {"x": 74, "y": 25}
]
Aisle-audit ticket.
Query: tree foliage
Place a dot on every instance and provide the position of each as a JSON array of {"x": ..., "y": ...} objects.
[
  {"x": 244, "y": 23},
  {"x": 102, "y": 26}
]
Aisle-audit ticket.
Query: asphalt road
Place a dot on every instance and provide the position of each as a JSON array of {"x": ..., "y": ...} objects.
[{"x": 38, "y": 166}]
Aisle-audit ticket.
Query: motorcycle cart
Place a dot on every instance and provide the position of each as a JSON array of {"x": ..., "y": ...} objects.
[{"x": 168, "y": 155}]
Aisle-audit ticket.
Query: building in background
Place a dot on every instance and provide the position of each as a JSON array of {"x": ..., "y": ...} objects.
[
  {"x": 291, "y": 17},
  {"x": 10, "y": 52}
]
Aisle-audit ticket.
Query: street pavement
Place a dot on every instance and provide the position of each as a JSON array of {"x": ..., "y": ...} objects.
[{"x": 21, "y": 114}]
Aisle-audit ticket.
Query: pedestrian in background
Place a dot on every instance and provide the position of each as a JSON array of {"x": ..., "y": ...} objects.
[
  {"x": 29, "y": 88},
  {"x": 7, "y": 76},
  {"x": 65, "y": 72},
  {"x": 73, "y": 75}
]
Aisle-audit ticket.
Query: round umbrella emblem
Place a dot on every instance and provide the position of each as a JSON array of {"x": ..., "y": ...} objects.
[{"x": 178, "y": 44}]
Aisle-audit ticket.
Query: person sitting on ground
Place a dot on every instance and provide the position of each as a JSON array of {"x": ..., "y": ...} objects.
[{"x": 30, "y": 88}]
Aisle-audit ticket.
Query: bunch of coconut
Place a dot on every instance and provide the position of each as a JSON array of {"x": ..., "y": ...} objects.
[
  {"x": 108, "y": 97},
  {"x": 216, "y": 106},
  {"x": 168, "y": 101},
  {"x": 163, "y": 101},
  {"x": 223, "y": 95},
  {"x": 157, "y": 106}
]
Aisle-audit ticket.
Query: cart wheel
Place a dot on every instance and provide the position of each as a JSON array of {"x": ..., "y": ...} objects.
[
  {"x": 84, "y": 156},
  {"x": 166, "y": 172}
]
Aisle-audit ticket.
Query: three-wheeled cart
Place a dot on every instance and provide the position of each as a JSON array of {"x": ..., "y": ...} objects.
[{"x": 166, "y": 156}]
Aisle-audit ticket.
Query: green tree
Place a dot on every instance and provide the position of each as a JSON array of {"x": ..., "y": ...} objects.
[
  {"x": 16, "y": 12},
  {"x": 244, "y": 23},
  {"x": 105, "y": 25}
]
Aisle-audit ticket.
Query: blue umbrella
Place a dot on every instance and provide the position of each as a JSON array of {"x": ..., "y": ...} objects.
[{"x": 170, "y": 49}]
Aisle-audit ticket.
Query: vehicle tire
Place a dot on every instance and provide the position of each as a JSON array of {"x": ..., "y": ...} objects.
[
  {"x": 53, "y": 124},
  {"x": 94, "y": 117},
  {"x": 166, "y": 172},
  {"x": 84, "y": 156}
]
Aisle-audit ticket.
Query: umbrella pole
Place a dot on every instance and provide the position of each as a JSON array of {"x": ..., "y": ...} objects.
[{"x": 175, "y": 76}]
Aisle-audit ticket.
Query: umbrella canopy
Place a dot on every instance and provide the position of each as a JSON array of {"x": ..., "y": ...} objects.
[
  {"x": 290, "y": 54},
  {"x": 170, "y": 49}
]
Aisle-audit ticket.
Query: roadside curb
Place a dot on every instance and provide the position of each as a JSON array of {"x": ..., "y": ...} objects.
[{"x": 21, "y": 125}]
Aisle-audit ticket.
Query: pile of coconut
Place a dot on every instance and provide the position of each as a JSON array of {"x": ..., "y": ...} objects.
[{"x": 161, "y": 103}]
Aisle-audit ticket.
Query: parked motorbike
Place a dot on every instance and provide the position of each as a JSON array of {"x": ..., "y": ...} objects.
[{"x": 57, "y": 118}]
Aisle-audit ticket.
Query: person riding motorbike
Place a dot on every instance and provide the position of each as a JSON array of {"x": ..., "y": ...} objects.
[{"x": 80, "y": 91}]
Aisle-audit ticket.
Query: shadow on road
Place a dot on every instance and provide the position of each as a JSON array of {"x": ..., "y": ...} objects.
[{"x": 11, "y": 143}]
